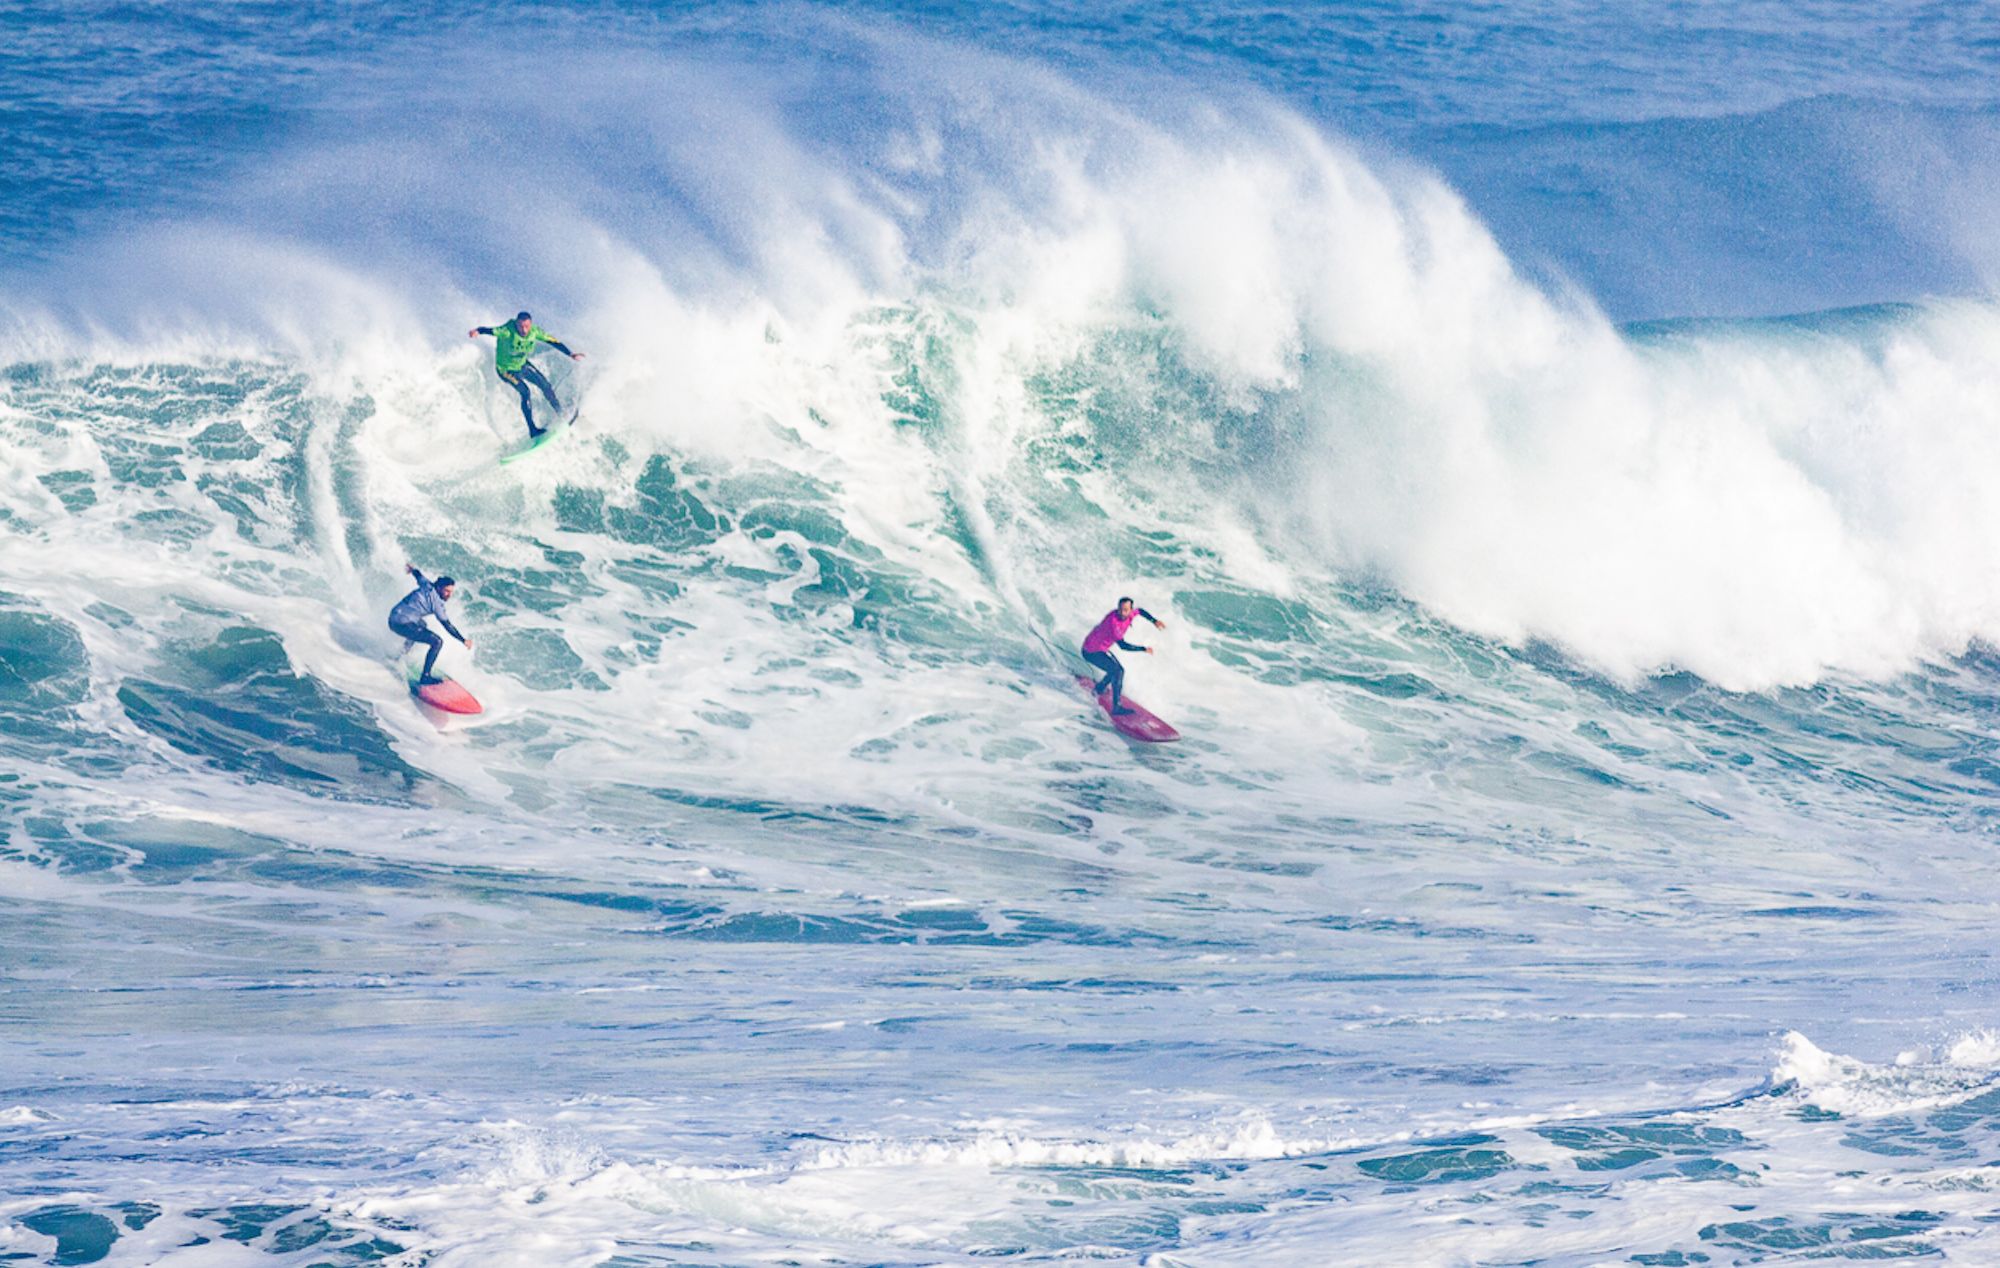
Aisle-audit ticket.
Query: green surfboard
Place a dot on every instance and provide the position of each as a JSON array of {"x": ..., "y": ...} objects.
[{"x": 540, "y": 442}]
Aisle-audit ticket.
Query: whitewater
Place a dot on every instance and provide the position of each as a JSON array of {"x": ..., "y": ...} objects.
[{"x": 1558, "y": 442}]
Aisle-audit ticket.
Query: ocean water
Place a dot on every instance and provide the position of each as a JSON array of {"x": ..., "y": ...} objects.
[{"x": 1558, "y": 437}]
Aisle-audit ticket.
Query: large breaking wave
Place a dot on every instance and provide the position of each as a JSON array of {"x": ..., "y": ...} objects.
[{"x": 1009, "y": 329}]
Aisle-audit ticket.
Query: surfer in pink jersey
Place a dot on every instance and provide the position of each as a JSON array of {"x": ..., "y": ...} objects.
[{"x": 1110, "y": 633}]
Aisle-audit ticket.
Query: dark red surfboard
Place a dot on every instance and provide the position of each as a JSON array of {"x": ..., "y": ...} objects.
[{"x": 1140, "y": 724}]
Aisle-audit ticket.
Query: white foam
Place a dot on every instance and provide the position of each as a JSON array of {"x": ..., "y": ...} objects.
[
  {"x": 1251, "y": 1140},
  {"x": 1846, "y": 1085}
]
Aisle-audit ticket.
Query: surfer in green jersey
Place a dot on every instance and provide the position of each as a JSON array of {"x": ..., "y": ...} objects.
[{"x": 513, "y": 343}]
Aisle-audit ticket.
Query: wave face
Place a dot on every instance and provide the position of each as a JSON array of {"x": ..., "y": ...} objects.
[{"x": 1586, "y": 718}]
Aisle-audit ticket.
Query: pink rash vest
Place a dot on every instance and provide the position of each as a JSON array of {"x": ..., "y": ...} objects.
[{"x": 1110, "y": 632}]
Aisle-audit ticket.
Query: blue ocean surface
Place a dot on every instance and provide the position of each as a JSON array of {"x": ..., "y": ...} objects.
[{"x": 1556, "y": 436}]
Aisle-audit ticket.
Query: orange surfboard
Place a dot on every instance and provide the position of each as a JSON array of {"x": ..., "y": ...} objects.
[{"x": 445, "y": 694}]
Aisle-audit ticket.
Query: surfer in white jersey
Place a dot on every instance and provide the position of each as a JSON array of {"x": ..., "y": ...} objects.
[{"x": 408, "y": 616}]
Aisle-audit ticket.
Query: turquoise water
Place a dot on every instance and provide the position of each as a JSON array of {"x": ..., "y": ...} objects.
[{"x": 1558, "y": 442}]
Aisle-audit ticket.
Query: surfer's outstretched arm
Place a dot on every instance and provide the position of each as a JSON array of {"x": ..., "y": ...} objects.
[
  {"x": 563, "y": 348},
  {"x": 1158, "y": 624},
  {"x": 477, "y": 331}
]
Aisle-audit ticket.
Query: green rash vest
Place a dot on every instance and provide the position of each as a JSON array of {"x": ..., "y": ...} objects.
[{"x": 511, "y": 349}]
